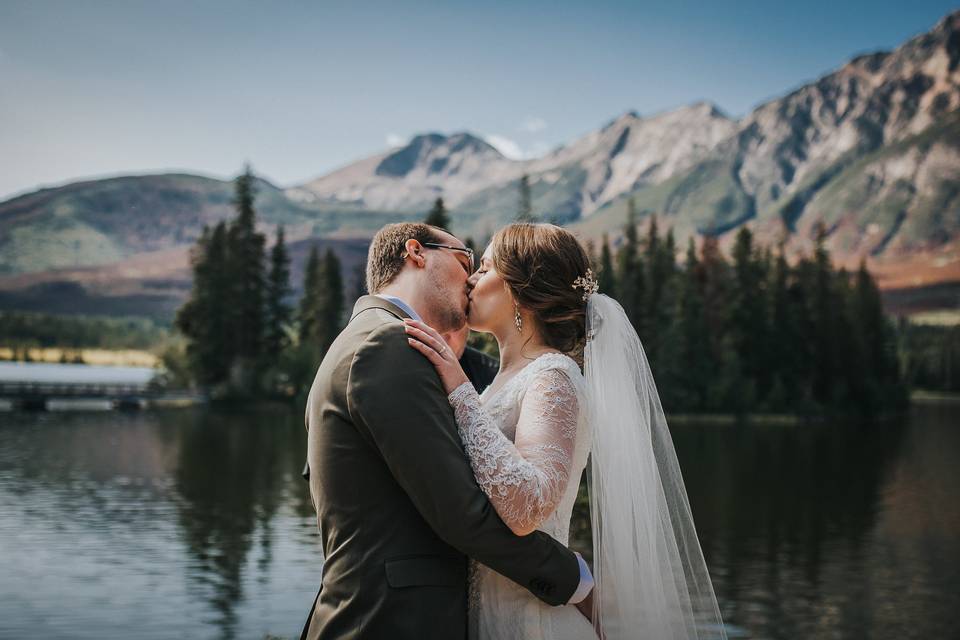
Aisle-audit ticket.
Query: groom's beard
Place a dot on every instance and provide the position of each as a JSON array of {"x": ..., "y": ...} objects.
[{"x": 446, "y": 313}]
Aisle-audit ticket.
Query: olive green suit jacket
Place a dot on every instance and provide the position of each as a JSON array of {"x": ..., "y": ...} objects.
[{"x": 397, "y": 504}]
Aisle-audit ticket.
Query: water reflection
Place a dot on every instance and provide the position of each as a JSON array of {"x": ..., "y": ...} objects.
[
  {"x": 197, "y": 524},
  {"x": 165, "y": 523},
  {"x": 229, "y": 479},
  {"x": 796, "y": 525}
]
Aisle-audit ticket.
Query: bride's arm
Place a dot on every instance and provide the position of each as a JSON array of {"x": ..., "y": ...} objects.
[{"x": 524, "y": 480}]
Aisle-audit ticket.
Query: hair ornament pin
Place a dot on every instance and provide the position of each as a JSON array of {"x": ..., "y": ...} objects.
[{"x": 588, "y": 283}]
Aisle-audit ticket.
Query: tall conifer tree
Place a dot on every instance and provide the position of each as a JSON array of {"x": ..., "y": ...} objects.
[
  {"x": 438, "y": 215},
  {"x": 525, "y": 204},
  {"x": 696, "y": 364},
  {"x": 823, "y": 321},
  {"x": 247, "y": 273},
  {"x": 202, "y": 319},
  {"x": 278, "y": 291},
  {"x": 783, "y": 358},
  {"x": 607, "y": 278},
  {"x": 359, "y": 283},
  {"x": 715, "y": 289},
  {"x": 329, "y": 311},
  {"x": 748, "y": 310},
  {"x": 307, "y": 310},
  {"x": 630, "y": 272}
]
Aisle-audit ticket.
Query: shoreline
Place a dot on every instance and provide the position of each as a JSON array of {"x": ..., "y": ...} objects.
[
  {"x": 56, "y": 404},
  {"x": 91, "y": 356},
  {"x": 923, "y": 396}
]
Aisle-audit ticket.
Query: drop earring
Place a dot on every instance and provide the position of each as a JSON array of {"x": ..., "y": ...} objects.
[{"x": 517, "y": 320}]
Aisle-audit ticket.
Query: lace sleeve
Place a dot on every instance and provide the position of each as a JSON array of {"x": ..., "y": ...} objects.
[{"x": 525, "y": 480}]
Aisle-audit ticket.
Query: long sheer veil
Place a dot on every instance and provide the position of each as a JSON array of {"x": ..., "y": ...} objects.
[{"x": 651, "y": 578}]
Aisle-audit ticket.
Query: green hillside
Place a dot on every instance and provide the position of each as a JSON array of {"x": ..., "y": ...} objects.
[{"x": 99, "y": 222}]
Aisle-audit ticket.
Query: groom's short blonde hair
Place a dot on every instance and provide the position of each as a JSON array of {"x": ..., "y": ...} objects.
[{"x": 385, "y": 258}]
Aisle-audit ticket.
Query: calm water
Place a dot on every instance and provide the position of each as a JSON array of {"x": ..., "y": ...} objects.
[
  {"x": 196, "y": 524},
  {"x": 57, "y": 373}
]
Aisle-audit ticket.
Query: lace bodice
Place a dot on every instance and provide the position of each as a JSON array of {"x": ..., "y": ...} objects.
[{"x": 528, "y": 443}]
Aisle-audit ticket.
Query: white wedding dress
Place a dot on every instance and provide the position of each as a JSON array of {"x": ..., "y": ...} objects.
[{"x": 528, "y": 443}]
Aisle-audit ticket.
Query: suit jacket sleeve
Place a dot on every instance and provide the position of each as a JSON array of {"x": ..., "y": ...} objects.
[{"x": 395, "y": 395}]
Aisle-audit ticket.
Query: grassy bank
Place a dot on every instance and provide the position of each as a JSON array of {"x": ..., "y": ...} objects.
[
  {"x": 105, "y": 357},
  {"x": 934, "y": 397}
]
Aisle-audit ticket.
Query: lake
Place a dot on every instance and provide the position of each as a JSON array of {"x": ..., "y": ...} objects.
[
  {"x": 68, "y": 374},
  {"x": 196, "y": 523}
]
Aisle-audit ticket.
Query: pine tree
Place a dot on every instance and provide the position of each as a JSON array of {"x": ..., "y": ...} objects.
[
  {"x": 630, "y": 272},
  {"x": 648, "y": 329},
  {"x": 800, "y": 295},
  {"x": 851, "y": 384},
  {"x": 868, "y": 317},
  {"x": 248, "y": 275},
  {"x": 307, "y": 311},
  {"x": 715, "y": 288},
  {"x": 202, "y": 319},
  {"x": 660, "y": 300},
  {"x": 438, "y": 215},
  {"x": 695, "y": 364},
  {"x": 878, "y": 343},
  {"x": 525, "y": 206},
  {"x": 748, "y": 310},
  {"x": 359, "y": 281},
  {"x": 823, "y": 321},
  {"x": 322, "y": 305},
  {"x": 784, "y": 355},
  {"x": 607, "y": 278},
  {"x": 278, "y": 291},
  {"x": 329, "y": 312}
]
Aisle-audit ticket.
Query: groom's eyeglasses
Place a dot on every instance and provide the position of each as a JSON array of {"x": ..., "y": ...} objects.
[{"x": 468, "y": 264}]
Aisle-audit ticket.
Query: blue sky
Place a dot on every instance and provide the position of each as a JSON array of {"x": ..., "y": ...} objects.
[{"x": 301, "y": 88}]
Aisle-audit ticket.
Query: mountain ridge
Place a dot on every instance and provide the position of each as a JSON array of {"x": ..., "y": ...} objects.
[{"x": 872, "y": 149}]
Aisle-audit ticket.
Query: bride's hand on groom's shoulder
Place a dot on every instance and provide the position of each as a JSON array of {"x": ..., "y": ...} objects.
[{"x": 431, "y": 344}]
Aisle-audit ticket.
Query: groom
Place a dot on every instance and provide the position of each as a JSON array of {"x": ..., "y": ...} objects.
[{"x": 397, "y": 504}]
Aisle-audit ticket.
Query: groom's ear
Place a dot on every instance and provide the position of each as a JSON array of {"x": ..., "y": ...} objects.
[{"x": 413, "y": 250}]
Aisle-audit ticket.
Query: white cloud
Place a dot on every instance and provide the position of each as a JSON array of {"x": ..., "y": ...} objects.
[
  {"x": 506, "y": 146},
  {"x": 533, "y": 124},
  {"x": 512, "y": 149},
  {"x": 395, "y": 140}
]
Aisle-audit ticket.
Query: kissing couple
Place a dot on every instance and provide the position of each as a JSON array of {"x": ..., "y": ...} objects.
[{"x": 445, "y": 513}]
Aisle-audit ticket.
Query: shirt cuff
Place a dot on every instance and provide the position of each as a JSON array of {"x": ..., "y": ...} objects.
[{"x": 586, "y": 582}]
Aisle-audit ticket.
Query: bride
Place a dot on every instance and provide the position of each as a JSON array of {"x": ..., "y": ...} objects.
[{"x": 573, "y": 383}]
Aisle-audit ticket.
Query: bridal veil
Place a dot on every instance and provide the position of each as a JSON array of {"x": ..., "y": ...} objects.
[{"x": 651, "y": 577}]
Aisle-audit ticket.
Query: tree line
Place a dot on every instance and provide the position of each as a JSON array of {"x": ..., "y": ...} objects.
[
  {"x": 21, "y": 331},
  {"x": 244, "y": 334},
  {"x": 753, "y": 333},
  {"x": 745, "y": 333}
]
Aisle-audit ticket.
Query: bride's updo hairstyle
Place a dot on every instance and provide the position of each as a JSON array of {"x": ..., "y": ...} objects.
[{"x": 539, "y": 263}]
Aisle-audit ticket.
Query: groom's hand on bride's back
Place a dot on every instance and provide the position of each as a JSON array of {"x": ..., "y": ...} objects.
[{"x": 585, "y": 607}]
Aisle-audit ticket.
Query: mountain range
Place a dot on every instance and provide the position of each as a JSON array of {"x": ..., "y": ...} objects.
[{"x": 872, "y": 150}]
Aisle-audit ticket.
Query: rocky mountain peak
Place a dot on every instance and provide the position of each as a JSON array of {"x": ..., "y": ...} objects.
[
  {"x": 432, "y": 152},
  {"x": 879, "y": 98},
  {"x": 625, "y": 119}
]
